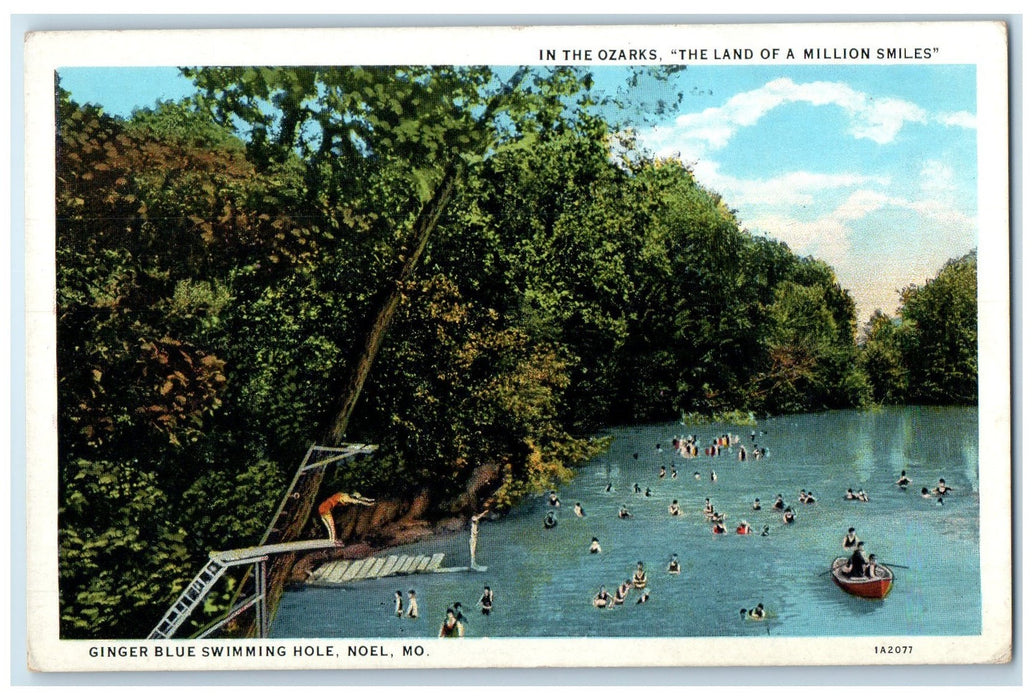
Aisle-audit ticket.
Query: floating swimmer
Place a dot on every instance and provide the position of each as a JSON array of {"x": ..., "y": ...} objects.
[
  {"x": 594, "y": 548},
  {"x": 850, "y": 495},
  {"x": 708, "y": 508},
  {"x": 757, "y": 613},
  {"x": 779, "y": 503},
  {"x": 602, "y": 598},
  {"x": 942, "y": 488},
  {"x": 903, "y": 481},
  {"x": 623, "y": 512},
  {"x": 811, "y": 499},
  {"x": 788, "y": 517},
  {"x": 674, "y": 508},
  {"x": 578, "y": 510},
  {"x": 862, "y": 496},
  {"x": 554, "y": 500},
  {"x": 550, "y": 521},
  {"x": 756, "y": 504},
  {"x": 674, "y": 566}
]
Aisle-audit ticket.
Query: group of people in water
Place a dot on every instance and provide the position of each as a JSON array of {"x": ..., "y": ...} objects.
[
  {"x": 454, "y": 622},
  {"x": 637, "y": 582}
]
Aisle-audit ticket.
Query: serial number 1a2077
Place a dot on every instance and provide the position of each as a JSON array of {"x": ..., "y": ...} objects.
[{"x": 898, "y": 649}]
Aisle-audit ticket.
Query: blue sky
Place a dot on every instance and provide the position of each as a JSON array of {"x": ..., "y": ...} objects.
[{"x": 870, "y": 168}]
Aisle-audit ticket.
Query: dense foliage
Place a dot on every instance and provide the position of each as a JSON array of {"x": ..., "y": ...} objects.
[{"x": 221, "y": 260}]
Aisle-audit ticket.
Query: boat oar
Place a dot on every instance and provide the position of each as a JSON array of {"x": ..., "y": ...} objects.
[
  {"x": 896, "y": 566},
  {"x": 825, "y": 573}
]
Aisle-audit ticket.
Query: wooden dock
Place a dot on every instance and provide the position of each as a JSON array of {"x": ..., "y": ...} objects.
[{"x": 343, "y": 571}]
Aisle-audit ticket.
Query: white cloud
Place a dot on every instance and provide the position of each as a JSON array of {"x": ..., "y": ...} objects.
[
  {"x": 878, "y": 119},
  {"x": 966, "y": 120}
]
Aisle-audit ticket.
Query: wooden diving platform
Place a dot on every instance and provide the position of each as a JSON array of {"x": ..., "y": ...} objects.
[{"x": 341, "y": 572}]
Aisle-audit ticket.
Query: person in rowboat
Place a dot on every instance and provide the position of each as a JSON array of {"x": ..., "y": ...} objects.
[
  {"x": 870, "y": 569},
  {"x": 856, "y": 566}
]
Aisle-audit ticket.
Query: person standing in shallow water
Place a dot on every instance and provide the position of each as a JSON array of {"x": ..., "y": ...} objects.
[
  {"x": 414, "y": 607},
  {"x": 451, "y": 627},
  {"x": 487, "y": 600}
]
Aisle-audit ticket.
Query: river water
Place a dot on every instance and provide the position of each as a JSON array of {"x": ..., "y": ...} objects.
[{"x": 544, "y": 580}]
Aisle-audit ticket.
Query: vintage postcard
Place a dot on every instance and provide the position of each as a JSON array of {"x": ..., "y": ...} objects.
[{"x": 518, "y": 346}]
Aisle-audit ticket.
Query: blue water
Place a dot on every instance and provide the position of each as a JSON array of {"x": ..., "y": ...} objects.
[{"x": 544, "y": 580}]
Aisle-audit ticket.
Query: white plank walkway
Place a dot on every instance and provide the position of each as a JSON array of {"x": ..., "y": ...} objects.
[{"x": 339, "y": 572}]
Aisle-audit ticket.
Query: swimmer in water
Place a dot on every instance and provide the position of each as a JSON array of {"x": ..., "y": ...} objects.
[
  {"x": 925, "y": 493},
  {"x": 487, "y": 601},
  {"x": 779, "y": 503},
  {"x": 623, "y": 512},
  {"x": 719, "y": 527},
  {"x": 903, "y": 481},
  {"x": 550, "y": 521},
  {"x": 674, "y": 508},
  {"x": 756, "y": 504},
  {"x": 554, "y": 500},
  {"x": 850, "y": 540},
  {"x": 803, "y": 496},
  {"x": 663, "y": 472},
  {"x": 757, "y": 613},
  {"x": 414, "y": 607},
  {"x": 708, "y": 508},
  {"x": 636, "y": 488},
  {"x": 744, "y": 528},
  {"x": 788, "y": 517},
  {"x": 862, "y": 496},
  {"x": 602, "y": 598},
  {"x": 942, "y": 488},
  {"x": 621, "y": 594},
  {"x": 638, "y": 579},
  {"x": 696, "y": 476},
  {"x": 594, "y": 548},
  {"x": 398, "y": 604},
  {"x": 674, "y": 566},
  {"x": 764, "y": 532},
  {"x": 850, "y": 495},
  {"x": 578, "y": 510},
  {"x": 713, "y": 475},
  {"x": 609, "y": 487},
  {"x": 648, "y": 492},
  {"x": 674, "y": 472}
]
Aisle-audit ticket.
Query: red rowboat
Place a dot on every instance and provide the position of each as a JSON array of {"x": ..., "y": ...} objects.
[{"x": 864, "y": 587}]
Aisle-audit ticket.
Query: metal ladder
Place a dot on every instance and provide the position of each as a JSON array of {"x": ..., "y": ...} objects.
[{"x": 188, "y": 600}]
